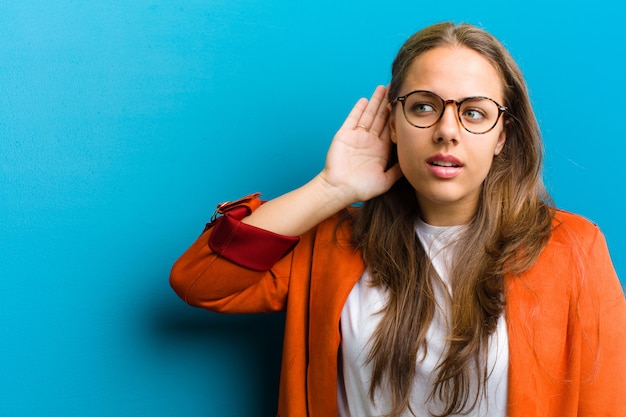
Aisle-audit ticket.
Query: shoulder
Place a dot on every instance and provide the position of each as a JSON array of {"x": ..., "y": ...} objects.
[
  {"x": 573, "y": 221},
  {"x": 575, "y": 263},
  {"x": 578, "y": 248},
  {"x": 572, "y": 229}
]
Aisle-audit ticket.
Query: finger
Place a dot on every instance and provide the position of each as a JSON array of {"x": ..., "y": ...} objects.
[
  {"x": 385, "y": 135},
  {"x": 373, "y": 107},
  {"x": 354, "y": 116},
  {"x": 380, "y": 119}
]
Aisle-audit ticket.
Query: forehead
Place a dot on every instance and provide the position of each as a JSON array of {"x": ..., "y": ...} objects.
[{"x": 454, "y": 72}]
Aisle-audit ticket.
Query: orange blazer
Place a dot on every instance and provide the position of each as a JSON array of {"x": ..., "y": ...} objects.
[{"x": 566, "y": 316}]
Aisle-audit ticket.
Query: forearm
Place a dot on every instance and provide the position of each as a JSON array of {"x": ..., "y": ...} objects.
[
  {"x": 300, "y": 210},
  {"x": 232, "y": 261}
]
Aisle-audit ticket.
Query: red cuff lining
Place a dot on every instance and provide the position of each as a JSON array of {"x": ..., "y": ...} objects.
[{"x": 247, "y": 245}]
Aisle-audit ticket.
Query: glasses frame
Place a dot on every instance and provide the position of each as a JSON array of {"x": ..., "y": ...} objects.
[{"x": 402, "y": 99}]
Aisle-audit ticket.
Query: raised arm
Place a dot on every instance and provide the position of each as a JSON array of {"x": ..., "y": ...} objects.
[{"x": 240, "y": 263}]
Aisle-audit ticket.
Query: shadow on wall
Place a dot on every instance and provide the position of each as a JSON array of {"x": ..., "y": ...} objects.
[{"x": 217, "y": 351}]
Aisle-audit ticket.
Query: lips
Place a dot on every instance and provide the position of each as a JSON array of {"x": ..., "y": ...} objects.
[{"x": 444, "y": 166}]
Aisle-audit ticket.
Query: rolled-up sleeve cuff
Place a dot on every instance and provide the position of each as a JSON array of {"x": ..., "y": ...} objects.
[{"x": 246, "y": 245}]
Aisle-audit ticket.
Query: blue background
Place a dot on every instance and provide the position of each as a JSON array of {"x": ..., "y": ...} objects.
[{"x": 123, "y": 124}]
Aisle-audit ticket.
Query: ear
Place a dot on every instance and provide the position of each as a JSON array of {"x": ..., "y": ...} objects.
[
  {"x": 392, "y": 124},
  {"x": 500, "y": 143}
]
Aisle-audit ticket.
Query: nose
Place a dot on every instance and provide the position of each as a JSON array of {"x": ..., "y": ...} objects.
[{"x": 448, "y": 127}]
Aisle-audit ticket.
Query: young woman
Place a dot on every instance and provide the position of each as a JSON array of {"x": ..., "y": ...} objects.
[{"x": 456, "y": 288}]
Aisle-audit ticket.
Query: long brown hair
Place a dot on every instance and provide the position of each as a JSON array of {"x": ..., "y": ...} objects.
[{"x": 510, "y": 228}]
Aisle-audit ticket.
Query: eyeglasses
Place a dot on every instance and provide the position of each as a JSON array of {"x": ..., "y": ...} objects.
[{"x": 424, "y": 109}]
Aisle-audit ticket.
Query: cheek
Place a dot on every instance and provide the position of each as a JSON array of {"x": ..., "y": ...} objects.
[{"x": 484, "y": 160}]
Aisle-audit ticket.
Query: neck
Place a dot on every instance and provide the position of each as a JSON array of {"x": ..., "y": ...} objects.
[{"x": 447, "y": 214}]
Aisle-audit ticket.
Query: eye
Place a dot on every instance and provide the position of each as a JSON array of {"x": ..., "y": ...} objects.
[
  {"x": 422, "y": 108},
  {"x": 473, "y": 114}
]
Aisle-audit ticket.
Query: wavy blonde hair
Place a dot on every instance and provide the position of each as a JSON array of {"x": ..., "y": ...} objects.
[{"x": 509, "y": 230}]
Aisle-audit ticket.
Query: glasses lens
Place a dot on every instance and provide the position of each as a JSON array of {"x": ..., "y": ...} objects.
[
  {"x": 478, "y": 115},
  {"x": 422, "y": 109}
]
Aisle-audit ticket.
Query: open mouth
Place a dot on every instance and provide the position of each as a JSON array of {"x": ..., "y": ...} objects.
[{"x": 444, "y": 164}]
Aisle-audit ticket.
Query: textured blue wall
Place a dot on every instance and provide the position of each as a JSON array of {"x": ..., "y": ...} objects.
[{"x": 123, "y": 123}]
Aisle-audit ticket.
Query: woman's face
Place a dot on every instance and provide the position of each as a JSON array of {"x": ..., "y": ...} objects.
[{"x": 445, "y": 164}]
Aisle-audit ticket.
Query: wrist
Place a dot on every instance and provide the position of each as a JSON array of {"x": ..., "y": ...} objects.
[{"x": 333, "y": 197}]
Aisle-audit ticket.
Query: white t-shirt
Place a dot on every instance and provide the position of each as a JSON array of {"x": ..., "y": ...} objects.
[{"x": 361, "y": 316}]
